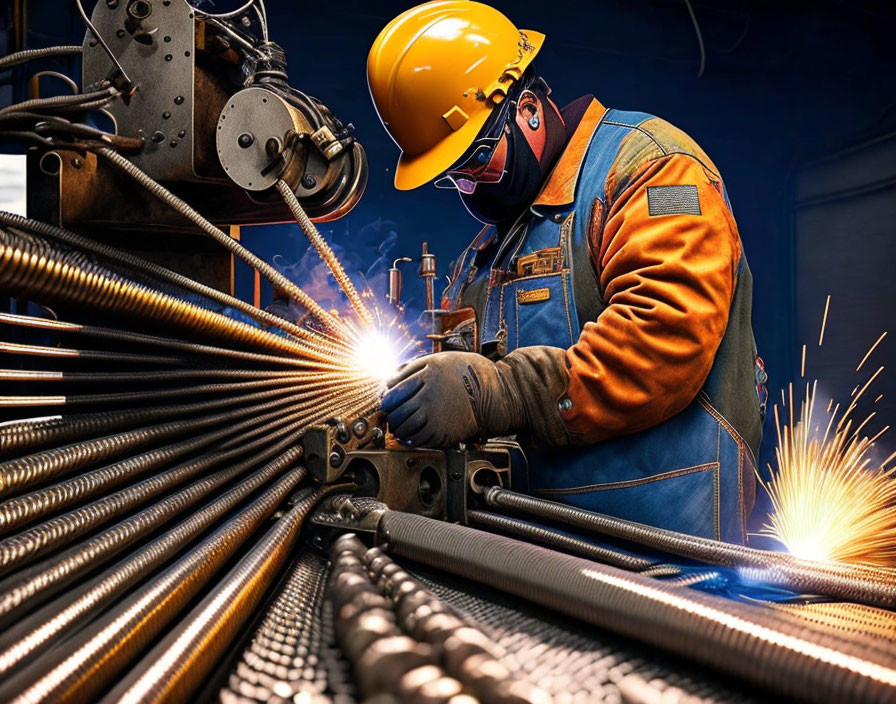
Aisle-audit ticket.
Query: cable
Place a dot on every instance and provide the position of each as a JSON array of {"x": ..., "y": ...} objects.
[
  {"x": 699, "y": 38},
  {"x": 21, "y": 57},
  {"x": 101, "y": 41},
  {"x": 61, "y": 101}
]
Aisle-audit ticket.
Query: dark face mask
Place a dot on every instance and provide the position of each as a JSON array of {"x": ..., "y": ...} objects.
[{"x": 504, "y": 201}]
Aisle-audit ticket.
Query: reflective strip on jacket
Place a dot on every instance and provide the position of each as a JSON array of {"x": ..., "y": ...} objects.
[{"x": 631, "y": 260}]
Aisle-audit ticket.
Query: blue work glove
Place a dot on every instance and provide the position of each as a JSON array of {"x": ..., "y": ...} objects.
[{"x": 443, "y": 399}]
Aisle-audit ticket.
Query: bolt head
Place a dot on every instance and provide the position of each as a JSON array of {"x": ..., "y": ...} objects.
[{"x": 246, "y": 140}]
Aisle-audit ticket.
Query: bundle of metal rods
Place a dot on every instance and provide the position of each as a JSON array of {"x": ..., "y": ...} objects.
[{"x": 146, "y": 439}]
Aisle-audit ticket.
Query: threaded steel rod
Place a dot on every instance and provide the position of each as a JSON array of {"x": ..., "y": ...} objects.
[
  {"x": 741, "y": 639},
  {"x": 876, "y": 587},
  {"x": 24, "y": 589},
  {"x": 25, "y": 472},
  {"x": 24, "y": 640},
  {"x": 35, "y": 375},
  {"x": 138, "y": 397},
  {"x": 33, "y": 434},
  {"x": 266, "y": 270},
  {"x": 191, "y": 348},
  {"x": 164, "y": 275},
  {"x": 80, "y": 668},
  {"x": 325, "y": 251},
  {"x": 22, "y": 510},
  {"x": 86, "y": 355},
  {"x": 32, "y": 269},
  {"x": 172, "y": 670},
  {"x": 558, "y": 541}
]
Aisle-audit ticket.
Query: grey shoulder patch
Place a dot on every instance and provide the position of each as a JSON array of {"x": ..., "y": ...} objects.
[{"x": 673, "y": 200}]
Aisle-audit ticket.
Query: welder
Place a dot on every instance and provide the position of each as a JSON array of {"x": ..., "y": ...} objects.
[{"x": 602, "y": 315}]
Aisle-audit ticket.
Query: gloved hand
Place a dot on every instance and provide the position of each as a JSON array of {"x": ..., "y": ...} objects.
[{"x": 451, "y": 397}]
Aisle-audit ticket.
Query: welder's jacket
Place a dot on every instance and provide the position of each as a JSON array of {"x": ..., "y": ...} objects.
[{"x": 630, "y": 258}]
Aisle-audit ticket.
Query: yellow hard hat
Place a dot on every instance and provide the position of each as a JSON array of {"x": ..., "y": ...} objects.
[{"x": 436, "y": 72}]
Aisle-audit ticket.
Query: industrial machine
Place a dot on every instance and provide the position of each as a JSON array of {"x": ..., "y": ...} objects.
[{"x": 199, "y": 499}]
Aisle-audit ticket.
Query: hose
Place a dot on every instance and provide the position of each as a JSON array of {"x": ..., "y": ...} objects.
[
  {"x": 326, "y": 253},
  {"x": 21, "y": 57},
  {"x": 79, "y": 668},
  {"x": 61, "y": 101},
  {"x": 876, "y": 587},
  {"x": 740, "y": 639},
  {"x": 135, "y": 263}
]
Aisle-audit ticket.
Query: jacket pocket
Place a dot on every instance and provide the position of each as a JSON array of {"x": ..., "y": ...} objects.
[
  {"x": 538, "y": 311},
  {"x": 676, "y": 500}
]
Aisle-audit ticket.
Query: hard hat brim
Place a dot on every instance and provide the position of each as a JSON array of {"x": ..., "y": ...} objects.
[{"x": 415, "y": 170}]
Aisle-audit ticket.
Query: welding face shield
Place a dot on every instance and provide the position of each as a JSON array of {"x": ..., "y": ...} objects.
[{"x": 505, "y": 168}]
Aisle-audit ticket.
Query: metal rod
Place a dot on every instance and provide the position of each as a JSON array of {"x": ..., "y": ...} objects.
[
  {"x": 21, "y": 592},
  {"x": 313, "y": 338},
  {"x": 25, "y": 472},
  {"x": 86, "y": 355},
  {"x": 32, "y": 269},
  {"x": 325, "y": 251},
  {"x": 26, "y": 639},
  {"x": 798, "y": 661},
  {"x": 81, "y": 667},
  {"x": 154, "y": 341},
  {"x": 558, "y": 541},
  {"x": 852, "y": 582},
  {"x": 269, "y": 272},
  {"x": 175, "y": 668}
]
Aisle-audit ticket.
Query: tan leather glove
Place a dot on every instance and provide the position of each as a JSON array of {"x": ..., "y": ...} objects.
[{"x": 443, "y": 399}]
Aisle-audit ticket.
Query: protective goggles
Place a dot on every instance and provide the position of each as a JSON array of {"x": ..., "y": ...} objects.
[{"x": 487, "y": 159}]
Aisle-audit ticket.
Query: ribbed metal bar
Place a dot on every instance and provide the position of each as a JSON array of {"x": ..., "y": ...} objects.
[
  {"x": 876, "y": 587},
  {"x": 743, "y": 640},
  {"x": 24, "y": 640},
  {"x": 25, "y": 472},
  {"x": 558, "y": 541},
  {"x": 266, "y": 270},
  {"x": 87, "y": 355},
  {"x": 32, "y": 269},
  {"x": 80, "y": 668},
  {"x": 173, "y": 669},
  {"x": 60, "y": 530},
  {"x": 33, "y": 434},
  {"x": 136, "y": 338},
  {"x": 314, "y": 340}
]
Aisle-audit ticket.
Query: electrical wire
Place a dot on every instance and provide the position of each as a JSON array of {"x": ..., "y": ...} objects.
[
  {"x": 102, "y": 42},
  {"x": 21, "y": 57},
  {"x": 699, "y": 38},
  {"x": 62, "y": 101}
]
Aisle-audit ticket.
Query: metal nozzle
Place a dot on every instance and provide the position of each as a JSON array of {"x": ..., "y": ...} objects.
[{"x": 394, "y": 293}]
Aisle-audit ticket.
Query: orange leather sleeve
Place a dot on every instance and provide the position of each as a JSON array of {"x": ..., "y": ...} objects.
[{"x": 668, "y": 281}]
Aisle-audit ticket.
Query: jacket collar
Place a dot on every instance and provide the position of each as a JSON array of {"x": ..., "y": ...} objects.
[{"x": 560, "y": 188}]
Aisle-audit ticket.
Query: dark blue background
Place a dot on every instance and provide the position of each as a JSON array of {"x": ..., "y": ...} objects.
[{"x": 784, "y": 83}]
